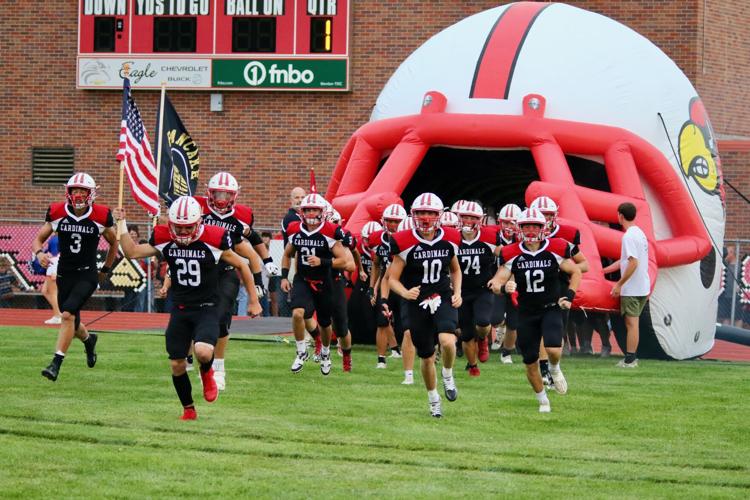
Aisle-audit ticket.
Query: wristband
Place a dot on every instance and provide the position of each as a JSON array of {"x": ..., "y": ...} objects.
[
  {"x": 502, "y": 290},
  {"x": 285, "y": 274},
  {"x": 258, "y": 278},
  {"x": 122, "y": 225},
  {"x": 105, "y": 269},
  {"x": 383, "y": 301},
  {"x": 267, "y": 260},
  {"x": 325, "y": 261},
  {"x": 570, "y": 295}
]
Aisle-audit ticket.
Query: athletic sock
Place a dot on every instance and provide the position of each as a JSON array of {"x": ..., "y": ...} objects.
[
  {"x": 504, "y": 351},
  {"x": 554, "y": 367},
  {"x": 347, "y": 352},
  {"x": 184, "y": 389},
  {"x": 325, "y": 350},
  {"x": 447, "y": 372},
  {"x": 629, "y": 357},
  {"x": 58, "y": 358},
  {"x": 408, "y": 373},
  {"x": 207, "y": 366},
  {"x": 433, "y": 395},
  {"x": 301, "y": 346},
  {"x": 542, "y": 397},
  {"x": 218, "y": 364},
  {"x": 381, "y": 359}
]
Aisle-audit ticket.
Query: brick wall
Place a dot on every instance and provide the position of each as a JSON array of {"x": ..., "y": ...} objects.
[{"x": 271, "y": 139}]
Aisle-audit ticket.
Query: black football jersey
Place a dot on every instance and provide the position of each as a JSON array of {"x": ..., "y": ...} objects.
[
  {"x": 477, "y": 260},
  {"x": 536, "y": 273},
  {"x": 382, "y": 249},
  {"x": 194, "y": 268},
  {"x": 78, "y": 236},
  {"x": 427, "y": 262},
  {"x": 318, "y": 242},
  {"x": 365, "y": 257}
]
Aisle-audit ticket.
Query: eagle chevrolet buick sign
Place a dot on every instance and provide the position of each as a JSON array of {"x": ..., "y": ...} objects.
[{"x": 216, "y": 44}]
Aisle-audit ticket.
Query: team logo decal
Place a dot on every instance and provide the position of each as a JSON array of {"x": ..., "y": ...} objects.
[{"x": 699, "y": 155}]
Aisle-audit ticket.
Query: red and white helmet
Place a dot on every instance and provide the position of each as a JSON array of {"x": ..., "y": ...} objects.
[
  {"x": 548, "y": 207},
  {"x": 531, "y": 222},
  {"x": 84, "y": 181},
  {"x": 569, "y": 103},
  {"x": 406, "y": 225},
  {"x": 314, "y": 201},
  {"x": 507, "y": 218},
  {"x": 392, "y": 216},
  {"x": 333, "y": 216},
  {"x": 457, "y": 206},
  {"x": 222, "y": 192},
  {"x": 368, "y": 229},
  {"x": 449, "y": 219},
  {"x": 466, "y": 212},
  {"x": 185, "y": 220},
  {"x": 430, "y": 207}
]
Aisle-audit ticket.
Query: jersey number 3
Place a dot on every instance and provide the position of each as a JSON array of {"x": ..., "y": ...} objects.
[{"x": 188, "y": 272}]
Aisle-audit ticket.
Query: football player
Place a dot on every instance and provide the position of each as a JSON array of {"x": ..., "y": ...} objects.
[
  {"x": 535, "y": 263},
  {"x": 506, "y": 319},
  {"x": 79, "y": 224},
  {"x": 316, "y": 243},
  {"x": 193, "y": 251},
  {"x": 426, "y": 273}
]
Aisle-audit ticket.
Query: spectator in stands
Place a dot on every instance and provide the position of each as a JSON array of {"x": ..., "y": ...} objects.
[
  {"x": 131, "y": 298},
  {"x": 273, "y": 281},
  {"x": 49, "y": 287},
  {"x": 7, "y": 283},
  {"x": 730, "y": 289}
]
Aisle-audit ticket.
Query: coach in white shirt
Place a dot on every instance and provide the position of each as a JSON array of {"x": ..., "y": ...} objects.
[{"x": 634, "y": 285}]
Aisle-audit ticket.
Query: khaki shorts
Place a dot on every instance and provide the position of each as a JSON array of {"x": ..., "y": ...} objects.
[{"x": 632, "y": 306}]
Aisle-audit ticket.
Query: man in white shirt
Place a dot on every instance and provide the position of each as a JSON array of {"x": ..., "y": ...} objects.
[{"x": 634, "y": 285}]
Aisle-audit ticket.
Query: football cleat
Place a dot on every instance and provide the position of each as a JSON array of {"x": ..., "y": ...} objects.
[
  {"x": 436, "y": 409},
  {"x": 318, "y": 347},
  {"x": 559, "y": 382},
  {"x": 325, "y": 364},
  {"x": 408, "y": 380},
  {"x": 381, "y": 365},
  {"x": 90, "y": 346},
  {"x": 396, "y": 354},
  {"x": 51, "y": 372},
  {"x": 210, "y": 391},
  {"x": 299, "y": 361},
  {"x": 449, "y": 385},
  {"x": 548, "y": 382},
  {"x": 623, "y": 364},
  {"x": 220, "y": 379},
  {"x": 483, "y": 350},
  {"x": 347, "y": 362},
  {"x": 474, "y": 371},
  {"x": 545, "y": 407},
  {"x": 189, "y": 414},
  {"x": 506, "y": 359},
  {"x": 54, "y": 320}
]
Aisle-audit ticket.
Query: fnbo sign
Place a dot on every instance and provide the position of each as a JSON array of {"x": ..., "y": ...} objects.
[{"x": 319, "y": 74}]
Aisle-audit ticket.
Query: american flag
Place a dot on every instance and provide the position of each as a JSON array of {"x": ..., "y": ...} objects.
[{"x": 135, "y": 151}]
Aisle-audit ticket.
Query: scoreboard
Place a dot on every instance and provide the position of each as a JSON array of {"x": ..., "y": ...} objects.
[{"x": 214, "y": 44}]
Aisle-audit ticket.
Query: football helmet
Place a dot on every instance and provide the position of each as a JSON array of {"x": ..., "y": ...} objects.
[
  {"x": 456, "y": 206},
  {"x": 313, "y": 208},
  {"x": 222, "y": 192},
  {"x": 548, "y": 207},
  {"x": 406, "y": 225},
  {"x": 507, "y": 217},
  {"x": 531, "y": 223},
  {"x": 80, "y": 200},
  {"x": 185, "y": 220},
  {"x": 426, "y": 210},
  {"x": 368, "y": 229},
  {"x": 449, "y": 219},
  {"x": 334, "y": 216},
  {"x": 392, "y": 215},
  {"x": 471, "y": 214}
]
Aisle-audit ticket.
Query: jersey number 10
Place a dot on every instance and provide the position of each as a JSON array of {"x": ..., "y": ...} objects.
[{"x": 432, "y": 270}]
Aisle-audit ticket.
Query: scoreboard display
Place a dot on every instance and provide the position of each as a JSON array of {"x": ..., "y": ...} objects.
[{"x": 214, "y": 44}]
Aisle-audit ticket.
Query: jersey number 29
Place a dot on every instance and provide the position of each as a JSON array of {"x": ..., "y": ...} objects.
[{"x": 188, "y": 272}]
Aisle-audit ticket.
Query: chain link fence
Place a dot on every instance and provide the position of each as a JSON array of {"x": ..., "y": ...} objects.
[{"x": 133, "y": 285}]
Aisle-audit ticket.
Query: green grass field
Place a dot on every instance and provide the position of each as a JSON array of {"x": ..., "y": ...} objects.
[{"x": 667, "y": 429}]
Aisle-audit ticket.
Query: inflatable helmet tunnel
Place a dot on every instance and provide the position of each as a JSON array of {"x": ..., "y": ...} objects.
[{"x": 534, "y": 98}]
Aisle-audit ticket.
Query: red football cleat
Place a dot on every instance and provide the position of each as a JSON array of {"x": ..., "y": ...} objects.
[
  {"x": 347, "y": 362},
  {"x": 473, "y": 371},
  {"x": 318, "y": 345},
  {"x": 210, "y": 391},
  {"x": 189, "y": 414},
  {"x": 484, "y": 350}
]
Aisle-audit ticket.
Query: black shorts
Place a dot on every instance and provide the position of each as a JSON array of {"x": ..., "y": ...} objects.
[
  {"x": 476, "y": 310},
  {"x": 229, "y": 286},
  {"x": 396, "y": 306},
  {"x": 313, "y": 297},
  {"x": 504, "y": 310},
  {"x": 535, "y": 325},
  {"x": 339, "y": 313},
  {"x": 199, "y": 324},
  {"x": 425, "y": 326},
  {"x": 73, "y": 290}
]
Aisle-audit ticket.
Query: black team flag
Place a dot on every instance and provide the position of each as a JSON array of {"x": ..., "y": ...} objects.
[{"x": 180, "y": 162}]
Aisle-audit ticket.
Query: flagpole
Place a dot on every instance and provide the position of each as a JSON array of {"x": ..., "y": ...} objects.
[
  {"x": 118, "y": 226},
  {"x": 159, "y": 147}
]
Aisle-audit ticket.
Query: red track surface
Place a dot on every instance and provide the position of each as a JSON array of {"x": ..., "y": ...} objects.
[{"x": 126, "y": 321}]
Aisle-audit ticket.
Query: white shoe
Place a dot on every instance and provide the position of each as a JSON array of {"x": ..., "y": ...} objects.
[
  {"x": 380, "y": 366},
  {"x": 499, "y": 337},
  {"x": 220, "y": 379},
  {"x": 623, "y": 364},
  {"x": 436, "y": 409},
  {"x": 299, "y": 362},
  {"x": 408, "y": 380},
  {"x": 506, "y": 360},
  {"x": 340, "y": 351},
  {"x": 561, "y": 385},
  {"x": 545, "y": 407},
  {"x": 496, "y": 346},
  {"x": 396, "y": 354},
  {"x": 449, "y": 384},
  {"x": 54, "y": 320},
  {"x": 325, "y": 364}
]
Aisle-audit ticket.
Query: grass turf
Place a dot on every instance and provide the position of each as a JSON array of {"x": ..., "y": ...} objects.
[{"x": 666, "y": 429}]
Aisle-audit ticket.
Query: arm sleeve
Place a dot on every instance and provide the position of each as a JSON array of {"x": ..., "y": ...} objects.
[{"x": 254, "y": 238}]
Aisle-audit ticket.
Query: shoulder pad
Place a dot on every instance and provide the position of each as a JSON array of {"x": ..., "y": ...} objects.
[
  {"x": 203, "y": 202},
  {"x": 329, "y": 229},
  {"x": 452, "y": 235},
  {"x": 293, "y": 228},
  {"x": 558, "y": 246},
  {"x": 99, "y": 214},
  {"x": 57, "y": 210},
  {"x": 212, "y": 235},
  {"x": 488, "y": 234},
  {"x": 161, "y": 235},
  {"x": 510, "y": 251},
  {"x": 404, "y": 239},
  {"x": 244, "y": 214}
]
